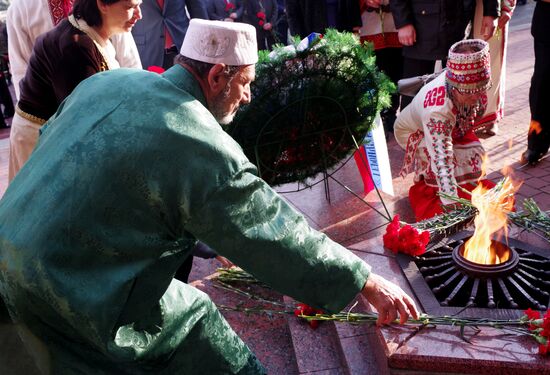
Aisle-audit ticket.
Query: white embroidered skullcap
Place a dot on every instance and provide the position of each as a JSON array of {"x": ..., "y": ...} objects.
[{"x": 230, "y": 43}]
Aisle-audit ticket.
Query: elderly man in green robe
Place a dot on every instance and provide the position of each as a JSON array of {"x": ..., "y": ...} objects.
[{"x": 133, "y": 170}]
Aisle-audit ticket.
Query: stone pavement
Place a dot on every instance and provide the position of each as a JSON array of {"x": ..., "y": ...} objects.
[{"x": 284, "y": 345}]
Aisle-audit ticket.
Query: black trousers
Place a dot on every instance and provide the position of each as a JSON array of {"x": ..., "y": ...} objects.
[
  {"x": 6, "y": 101},
  {"x": 390, "y": 61},
  {"x": 169, "y": 56},
  {"x": 539, "y": 92},
  {"x": 413, "y": 68}
]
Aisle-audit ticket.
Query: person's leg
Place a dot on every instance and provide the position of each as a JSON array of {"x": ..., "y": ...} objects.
[
  {"x": 261, "y": 39},
  {"x": 182, "y": 274},
  {"x": 23, "y": 138},
  {"x": 282, "y": 29},
  {"x": 194, "y": 338},
  {"x": 538, "y": 139},
  {"x": 390, "y": 61},
  {"x": 183, "y": 334},
  {"x": 5, "y": 97},
  {"x": 169, "y": 56}
]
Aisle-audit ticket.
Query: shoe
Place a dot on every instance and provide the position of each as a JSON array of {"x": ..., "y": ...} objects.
[
  {"x": 489, "y": 130},
  {"x": 532, "y": 157},
  {"x": 492, "y": 130}
]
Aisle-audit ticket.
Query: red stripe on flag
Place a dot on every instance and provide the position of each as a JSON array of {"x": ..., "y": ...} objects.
[{"x": 361, "y": 160}]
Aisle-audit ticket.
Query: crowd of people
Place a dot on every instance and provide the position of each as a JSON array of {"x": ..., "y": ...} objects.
[{"x": 139, "y": 175}]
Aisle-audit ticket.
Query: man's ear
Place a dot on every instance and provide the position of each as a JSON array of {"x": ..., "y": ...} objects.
[{"x": 217, "y": 79}]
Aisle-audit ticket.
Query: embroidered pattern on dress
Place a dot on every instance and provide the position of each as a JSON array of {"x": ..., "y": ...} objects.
[
  {"x": 466, "y": 164},
  {"x": 475, "y": 162},
  {"x": 441, "y": 128},
  {"x": 59, "y": 10},
  {"x": 443, "y": 158},
  {"x": 412, "y": 146}
]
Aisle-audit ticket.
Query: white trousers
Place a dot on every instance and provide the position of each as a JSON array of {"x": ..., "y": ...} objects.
[{"x": 23, "y": 137}]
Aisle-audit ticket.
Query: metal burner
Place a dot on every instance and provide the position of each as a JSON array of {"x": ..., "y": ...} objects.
[
  {"x": 485, "y": 271},
  {"x": 446, "y": 283}
]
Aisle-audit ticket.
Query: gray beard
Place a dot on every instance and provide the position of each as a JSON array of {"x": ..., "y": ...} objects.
[{"x": 218, "y": 108}]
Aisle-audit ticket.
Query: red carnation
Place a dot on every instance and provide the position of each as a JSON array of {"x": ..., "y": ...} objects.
[
  {"x": 391, "y": 238},
  {"x": 260, "y": 22},
  {"x": 546, "y": 325},
  {"x": 305, "y": 310},
  {"x": 229, "y": 7},
  {"x": 531, "y": 314},
  {"x": 260, "y": 15},
  {"x": 155, "y": 69},
  {"x": 544, "y": 348},
  {"x": 405, "y": 240}
]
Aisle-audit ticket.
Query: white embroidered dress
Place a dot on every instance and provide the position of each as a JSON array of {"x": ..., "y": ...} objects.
[
  {"x": 498, "y": 47},
  {"x": 434, "y": 147}
]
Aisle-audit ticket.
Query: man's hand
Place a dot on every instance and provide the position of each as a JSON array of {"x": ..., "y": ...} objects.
[
  {"x": 389, "y": 300},
  {"x": 407, "y": 35},
  {"x": 503, "y": 20},
  {"x": 267, "y": 26},
  {"x": 233, "y": 15},
  {"x": 488, "y": 27}
]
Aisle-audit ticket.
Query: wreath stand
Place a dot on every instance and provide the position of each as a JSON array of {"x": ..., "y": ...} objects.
[{"x": 311, "y": 102}]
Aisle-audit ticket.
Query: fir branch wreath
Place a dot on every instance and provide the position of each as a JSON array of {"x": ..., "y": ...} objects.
[{"x": 311, "y": 107}]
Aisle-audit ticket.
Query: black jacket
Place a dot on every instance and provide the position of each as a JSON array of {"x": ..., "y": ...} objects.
[
  {"x": 307, "y": 16},
  {"x": 438, "y": 23}
]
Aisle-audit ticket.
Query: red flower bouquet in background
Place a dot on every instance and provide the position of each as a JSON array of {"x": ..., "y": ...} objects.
[
  {"x": 304, "y": 310},
  {"x": 230, "y": 9},
  {"x": 261, "y": 17},
  {"x": 540, "y": 328},
  {"x": 405, "y": 239}
]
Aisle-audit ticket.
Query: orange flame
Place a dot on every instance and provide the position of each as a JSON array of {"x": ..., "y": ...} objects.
[
  {"x": 493, "y": 206},
  {"x": 534, "y": 126}
]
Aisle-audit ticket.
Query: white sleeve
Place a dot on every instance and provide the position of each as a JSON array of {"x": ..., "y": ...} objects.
[
  {"x": 438, "y": 126},
  {"x": 26, "y": 20},
  {"x": 20, "y": 44},
  {"x": 404, "y": 126},
  {"x": 126, "y": 50}
]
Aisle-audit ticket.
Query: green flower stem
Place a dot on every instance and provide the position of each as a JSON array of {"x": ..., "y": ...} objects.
[
  {"x": 254, "y": 310},
  {"x": 515, "y": 325},
  {"x": 223, "y": 285}
]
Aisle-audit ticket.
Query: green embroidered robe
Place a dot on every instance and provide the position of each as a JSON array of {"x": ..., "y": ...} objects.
[{"x": 127, "y": 175}]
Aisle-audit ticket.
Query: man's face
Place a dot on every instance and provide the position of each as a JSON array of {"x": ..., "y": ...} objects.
[{"x": 224, "y": 106}]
